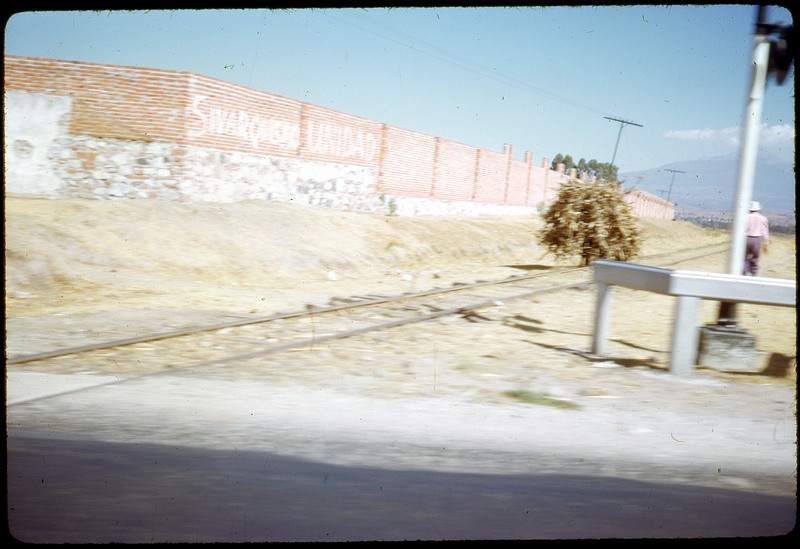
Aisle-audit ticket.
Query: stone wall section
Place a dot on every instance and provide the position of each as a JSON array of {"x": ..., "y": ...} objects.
[{"x": 108, "y": 169}]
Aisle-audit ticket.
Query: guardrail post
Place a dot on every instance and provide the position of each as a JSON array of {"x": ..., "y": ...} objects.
[
  {"x": 685, "y": 335},
  {"x": 602, "y": 318}
]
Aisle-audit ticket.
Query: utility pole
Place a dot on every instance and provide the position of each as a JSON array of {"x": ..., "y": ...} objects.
[
  {"x": 622, "y": 124},
  {"x": 724, "y": 343},
  {"x": 672, "y": 181},
  {"x": 747, "y": 160}
]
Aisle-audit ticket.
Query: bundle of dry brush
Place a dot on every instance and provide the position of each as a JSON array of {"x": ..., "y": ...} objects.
[{"x": 591, "y": 220}]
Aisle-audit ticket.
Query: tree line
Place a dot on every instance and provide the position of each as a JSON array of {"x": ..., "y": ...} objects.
[
  {"x": 722, "y": 224},
  {"x": 602, "y": 170}
]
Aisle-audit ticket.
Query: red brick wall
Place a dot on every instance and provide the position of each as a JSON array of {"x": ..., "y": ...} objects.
[
  {"x": 222, "y": 116},
  {"x": 332, "y": 136},
  {"x": 408, "y": 162},
  {"x": 518, "y": 183},
  {"x": 108, "y": 101},
  {"x": 454, "y": 171},
  {"x": 491, "y": 177},
  {"x": 186, "y": 109},
  {"x": 645, "y": 204}
]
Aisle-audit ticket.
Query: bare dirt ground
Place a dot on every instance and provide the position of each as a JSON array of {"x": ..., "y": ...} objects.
[
  {"x": 158, "y": 265},
  {"x": 86, "y": 271}
]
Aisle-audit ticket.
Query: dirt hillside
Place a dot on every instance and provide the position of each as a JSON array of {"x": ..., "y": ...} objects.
[
  {"x": 63, "y": 249},
  {"x": 79, "y": 267}
]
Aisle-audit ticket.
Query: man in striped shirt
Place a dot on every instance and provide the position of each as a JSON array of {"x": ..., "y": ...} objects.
[{"x": 757, "y": 239}]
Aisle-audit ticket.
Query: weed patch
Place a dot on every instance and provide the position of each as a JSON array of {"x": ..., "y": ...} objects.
[{"x": 531, "y": 397}]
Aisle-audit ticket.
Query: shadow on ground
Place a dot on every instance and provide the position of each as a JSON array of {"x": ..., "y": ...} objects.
[
  {"x": 84, "y": 491},
  {"x": 531, "y": 267}
]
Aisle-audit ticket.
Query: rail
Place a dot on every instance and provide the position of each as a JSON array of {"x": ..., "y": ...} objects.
[{"x": 230, "y": 344}]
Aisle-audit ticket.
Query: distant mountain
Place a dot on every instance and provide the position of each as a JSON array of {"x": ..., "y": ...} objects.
[{"x": 709, "y": 184}]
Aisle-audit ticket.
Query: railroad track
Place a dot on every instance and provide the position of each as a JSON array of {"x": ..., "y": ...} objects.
[{"x": 203, "y": 346}]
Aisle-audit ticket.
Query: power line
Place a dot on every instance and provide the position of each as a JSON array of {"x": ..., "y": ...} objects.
[
  {"x": 258, "y": 47},
  {"x": 462, "y": 62},
  {"x": 672, "y": 181}
]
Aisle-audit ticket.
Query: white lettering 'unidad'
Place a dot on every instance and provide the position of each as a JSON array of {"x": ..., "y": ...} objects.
[{"x": 341, "y": 141}]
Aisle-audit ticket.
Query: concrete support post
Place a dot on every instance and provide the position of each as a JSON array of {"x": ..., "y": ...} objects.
[
  {"x": 602, "y": 318},
  {"x": 685, "y": 335}
]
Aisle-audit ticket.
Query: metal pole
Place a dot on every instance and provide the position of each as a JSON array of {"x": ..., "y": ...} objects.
[
  {"x": 621, "y": 126},
  {"x": 614, "y": 156},
  {"x": 672, "y": 181},
  {"x": 747, "y": 161}
]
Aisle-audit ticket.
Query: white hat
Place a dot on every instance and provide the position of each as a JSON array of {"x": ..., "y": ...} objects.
[{"x": 755, "y": 206}]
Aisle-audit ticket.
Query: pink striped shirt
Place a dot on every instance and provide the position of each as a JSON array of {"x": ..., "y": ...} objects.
[{"x": 757, "y": 225}]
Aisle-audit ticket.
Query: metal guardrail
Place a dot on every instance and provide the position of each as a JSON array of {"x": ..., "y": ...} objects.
[
  {"x": 719, "y": 287},
  {"x": 689, "y": 287}
]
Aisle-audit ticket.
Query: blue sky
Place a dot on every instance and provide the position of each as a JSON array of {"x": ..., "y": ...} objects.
[{"x": 541, "y": 79}]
